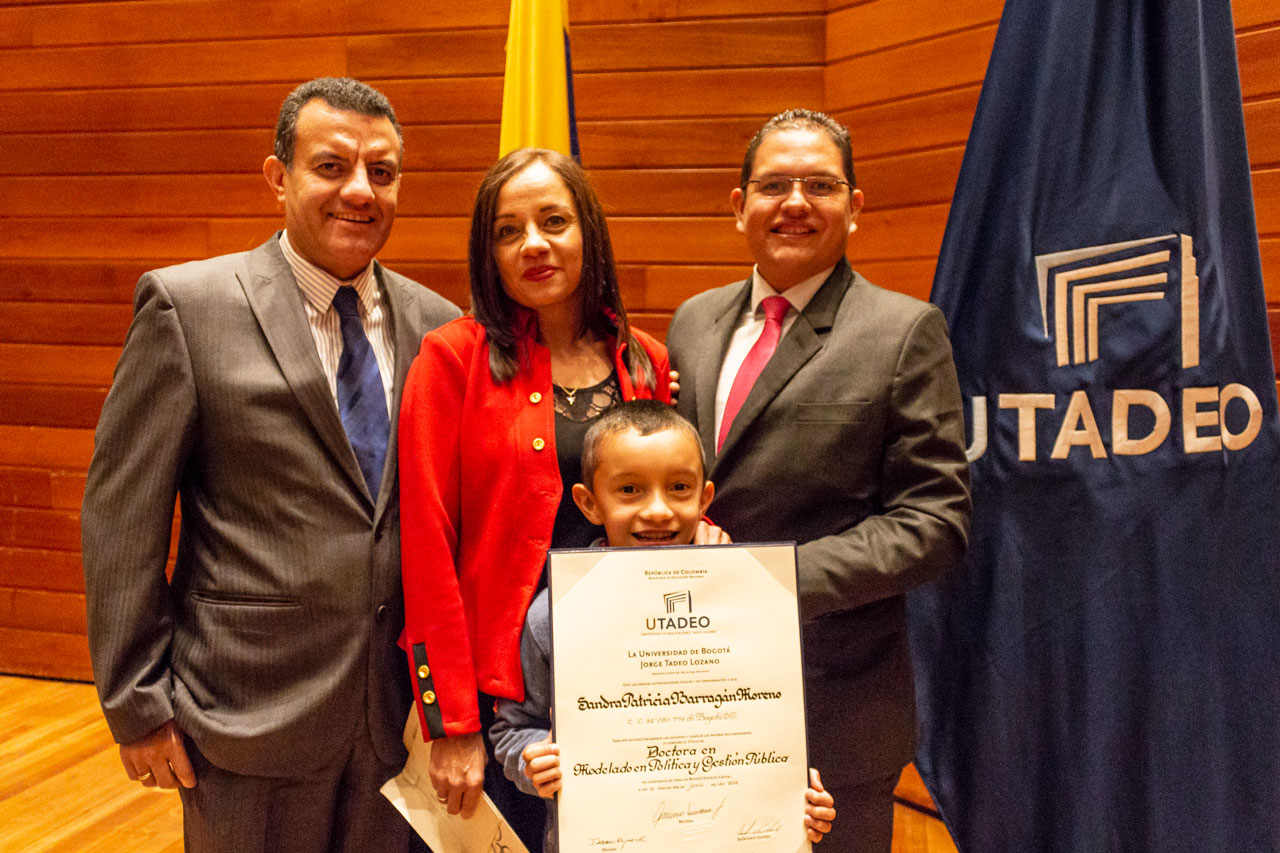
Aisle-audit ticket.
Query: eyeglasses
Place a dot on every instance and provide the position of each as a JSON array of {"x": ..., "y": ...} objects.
[{"x": 818, "y": 186}]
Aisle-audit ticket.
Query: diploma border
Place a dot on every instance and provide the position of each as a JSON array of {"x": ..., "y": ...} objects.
[{"x": 551, "y": 615}]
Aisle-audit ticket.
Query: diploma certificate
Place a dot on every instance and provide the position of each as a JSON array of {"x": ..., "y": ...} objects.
[{"x": 679, "y": 699}]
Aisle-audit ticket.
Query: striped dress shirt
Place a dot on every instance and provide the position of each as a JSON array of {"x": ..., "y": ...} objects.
[{"x": 318, "y": 288}]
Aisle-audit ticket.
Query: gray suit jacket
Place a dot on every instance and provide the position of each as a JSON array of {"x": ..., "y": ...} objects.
[
  {"x": 279, "y": 627},
  {"x": 851, "y": 443}
]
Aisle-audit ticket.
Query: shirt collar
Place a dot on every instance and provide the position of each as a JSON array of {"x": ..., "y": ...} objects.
[
  {"x": 798, "y": 294},
  {"x": 318, "y": 286}
]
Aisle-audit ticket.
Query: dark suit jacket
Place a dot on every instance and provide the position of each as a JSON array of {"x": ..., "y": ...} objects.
[
  {"x": 851, "y": 443},
  {"x": 279, "y": 627}
]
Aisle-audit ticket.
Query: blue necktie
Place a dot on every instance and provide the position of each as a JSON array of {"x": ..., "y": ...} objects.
[{"x": 362, "y": 403}]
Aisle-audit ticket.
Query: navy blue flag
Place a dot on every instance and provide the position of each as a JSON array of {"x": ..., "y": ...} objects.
[{"x": 1102, "y": 673}]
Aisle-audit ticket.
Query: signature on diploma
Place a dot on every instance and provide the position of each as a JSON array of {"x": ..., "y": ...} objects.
[
  {"x": 758, "y": 829},
  {"x": 619, "y": 843},
  {"x": 689, "y": 813}
]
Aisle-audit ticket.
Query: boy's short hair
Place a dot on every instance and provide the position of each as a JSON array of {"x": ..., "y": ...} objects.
[{"x": 645, "y": 417}]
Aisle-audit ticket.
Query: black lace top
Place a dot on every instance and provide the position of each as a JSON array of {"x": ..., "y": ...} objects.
[{"x": 576, "y": 410}]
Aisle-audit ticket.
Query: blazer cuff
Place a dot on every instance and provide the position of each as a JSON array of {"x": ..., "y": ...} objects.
[{"x": 424, "y": 693}]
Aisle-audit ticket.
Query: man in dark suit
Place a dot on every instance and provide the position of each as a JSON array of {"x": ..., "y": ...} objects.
[
  {"x": 261, "y": 388},
  {"x": 833, "y": 415}
]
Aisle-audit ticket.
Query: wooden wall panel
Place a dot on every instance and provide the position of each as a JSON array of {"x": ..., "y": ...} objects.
[
  {"x": 917, "y": 123},
  {"x": 1266, "y": 195},
  {"x": 38, "y": 364},
  {"x": 240, "y": 105},
  {"x": 1258, "y": 49},
  {"x": 910, "y": 69},
  {"x": 33, "y": 569},
  {"x": 81, "y": 22},
  {"x": 678, "y": 45},
  {"x": 132, "y": 135},
  {"x": 1262, "y": 126},
  {"x": 1253, "y": 13},
  {"x": 73, "y": 281},
  {"x": 194, "y": 20},
  {"x": 50, "y": 405},
  {"x": 166, "y": 64},
  {"x": 45, "y": 652}
]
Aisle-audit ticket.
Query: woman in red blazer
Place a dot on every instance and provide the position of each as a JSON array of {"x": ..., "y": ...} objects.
[{"x": 495, "y": 408}]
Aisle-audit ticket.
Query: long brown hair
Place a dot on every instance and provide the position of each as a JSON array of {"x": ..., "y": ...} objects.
[{"x": 597, "y": 288}]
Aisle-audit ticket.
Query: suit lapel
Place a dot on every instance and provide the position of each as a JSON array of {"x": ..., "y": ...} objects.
[
  {"x": 802, "y": 342},
  {"x": 709, "y": 361},
  {"x": 401, "y": 303},
  {"x": 276, "y": 302}
]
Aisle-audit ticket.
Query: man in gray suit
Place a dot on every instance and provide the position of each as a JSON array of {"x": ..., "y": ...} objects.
[
  {"x": 832, "y": 412},
  {"x": 260, "y": 388}
]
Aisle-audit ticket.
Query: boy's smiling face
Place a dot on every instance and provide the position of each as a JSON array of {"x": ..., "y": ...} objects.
[{"x": 647, "y": 489}]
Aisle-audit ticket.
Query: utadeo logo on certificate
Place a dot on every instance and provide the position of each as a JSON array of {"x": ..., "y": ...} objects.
[
  {"x": 678, "y": 699},
  {"x": 675, "y": 603}
]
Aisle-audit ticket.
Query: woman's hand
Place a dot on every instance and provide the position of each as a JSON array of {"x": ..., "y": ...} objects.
[
  {"x": 675, "y": 386},
  {"x": 457, "y": 772}
]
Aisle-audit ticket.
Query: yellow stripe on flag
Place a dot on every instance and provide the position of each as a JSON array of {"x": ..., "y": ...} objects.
[{"x": 535, "y": 92}]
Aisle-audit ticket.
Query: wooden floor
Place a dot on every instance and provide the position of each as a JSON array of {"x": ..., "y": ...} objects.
[
  {"x": 61, "y": 784},
  {"x": 62, "y": 788}
]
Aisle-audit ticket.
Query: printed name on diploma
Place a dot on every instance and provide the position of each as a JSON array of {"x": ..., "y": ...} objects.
[{"x": 660, "y": 699}]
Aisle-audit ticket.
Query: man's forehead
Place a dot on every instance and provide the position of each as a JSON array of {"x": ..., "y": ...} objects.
[
  {"x": 322, "y": 120},
  {"x": 361, "y": 136},
  {"x": 793, "y": 143}
]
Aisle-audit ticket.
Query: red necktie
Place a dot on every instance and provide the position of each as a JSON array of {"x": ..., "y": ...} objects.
[{"x": 775, "y": 308}]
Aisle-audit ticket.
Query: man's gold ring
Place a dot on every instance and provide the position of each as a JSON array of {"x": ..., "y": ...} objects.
[{"x": 145, "y": 777}]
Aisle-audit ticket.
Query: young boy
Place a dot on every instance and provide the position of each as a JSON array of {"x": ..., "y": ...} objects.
[{"x": 647, "y": 486}]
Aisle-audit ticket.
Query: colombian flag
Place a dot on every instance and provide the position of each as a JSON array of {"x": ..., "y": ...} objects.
[{"x": 537, "y": 93}]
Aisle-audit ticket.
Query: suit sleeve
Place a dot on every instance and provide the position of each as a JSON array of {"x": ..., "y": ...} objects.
[
  {"x": 141, "y": 446},
  {"x": 922, "y": 529},
  {"x": 436, "y": 638}
]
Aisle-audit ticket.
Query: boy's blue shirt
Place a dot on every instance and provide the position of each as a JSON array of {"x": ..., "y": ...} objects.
[{"x": 518, "y": 724}]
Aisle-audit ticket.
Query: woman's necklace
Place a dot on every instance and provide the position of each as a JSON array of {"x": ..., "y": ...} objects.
[{"x": 579, "y": 365}]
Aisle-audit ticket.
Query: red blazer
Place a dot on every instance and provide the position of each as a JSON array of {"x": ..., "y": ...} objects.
[{"x": 479, "y": 488}]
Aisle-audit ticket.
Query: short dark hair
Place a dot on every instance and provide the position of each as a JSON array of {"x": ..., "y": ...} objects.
[
  {"x": 645, "y": 417},
  {"x": 802, "y": 119},
  {"x": 341, "y": 93},
  {"x": 598, "y": 287}
]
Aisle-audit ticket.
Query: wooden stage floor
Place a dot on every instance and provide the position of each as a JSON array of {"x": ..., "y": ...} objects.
[{"x": 62, "y": 789}]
